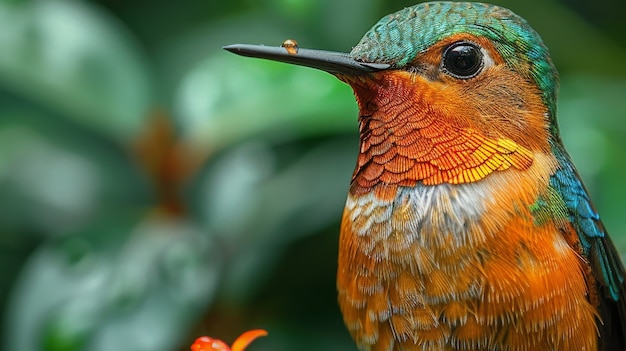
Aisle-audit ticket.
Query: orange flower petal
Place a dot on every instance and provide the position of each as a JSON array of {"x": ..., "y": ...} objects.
[
  {"x": 246, "y": 338},
  {"x": 204, "y": 343}
]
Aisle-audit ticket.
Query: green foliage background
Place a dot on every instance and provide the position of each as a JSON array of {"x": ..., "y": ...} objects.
[{"x": 154, "y": 188}]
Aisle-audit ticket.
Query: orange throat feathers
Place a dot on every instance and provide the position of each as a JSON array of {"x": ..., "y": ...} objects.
[{"x": 415, "y": 130}]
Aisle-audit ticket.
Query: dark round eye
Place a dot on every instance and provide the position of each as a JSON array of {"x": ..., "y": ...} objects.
[{"x": 462, "y": 60}]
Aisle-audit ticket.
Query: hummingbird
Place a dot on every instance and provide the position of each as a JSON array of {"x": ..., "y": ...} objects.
[{"x": 467, "y": 226}]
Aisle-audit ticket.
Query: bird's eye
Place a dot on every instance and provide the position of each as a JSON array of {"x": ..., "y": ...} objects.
[{"x": 462, "y": 60}]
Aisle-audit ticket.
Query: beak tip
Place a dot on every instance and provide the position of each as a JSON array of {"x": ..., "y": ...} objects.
[
  {"x": 230, "y": 48},
  {"x": 258, "y": 51}
]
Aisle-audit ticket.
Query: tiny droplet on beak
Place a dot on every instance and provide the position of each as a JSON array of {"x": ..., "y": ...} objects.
[{"x": 291, "y": 46}]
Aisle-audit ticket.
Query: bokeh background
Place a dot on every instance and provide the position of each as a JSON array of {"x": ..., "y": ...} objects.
[{"x": 155, "y": 188}]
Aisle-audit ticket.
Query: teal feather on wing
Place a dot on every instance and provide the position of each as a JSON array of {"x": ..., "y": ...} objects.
[{"x": 596, "y": 247}]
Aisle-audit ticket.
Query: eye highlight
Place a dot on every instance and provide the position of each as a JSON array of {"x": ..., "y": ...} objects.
[{"x": 462, "y": 60}]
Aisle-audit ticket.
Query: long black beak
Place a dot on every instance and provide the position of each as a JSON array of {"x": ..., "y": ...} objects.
[{"x": 329, "y": 61}]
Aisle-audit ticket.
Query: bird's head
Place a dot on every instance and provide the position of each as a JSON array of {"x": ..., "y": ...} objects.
[{"x": 439, "y": 79}]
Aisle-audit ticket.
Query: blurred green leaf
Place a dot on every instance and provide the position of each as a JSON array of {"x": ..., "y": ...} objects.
[
  {"x": 259, "y": 200},
  {"x": 54, "y": 176},
  {"x": 122, "y": 288},
  {"x": 227, "y": 99},
  {"x": 77, "y": 60}
]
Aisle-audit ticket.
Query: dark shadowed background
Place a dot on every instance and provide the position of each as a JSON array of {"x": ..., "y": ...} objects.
[{"x": 155, "y": 188}]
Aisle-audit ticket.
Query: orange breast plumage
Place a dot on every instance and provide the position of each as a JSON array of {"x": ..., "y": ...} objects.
[{"x": 462, "y": 267}]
